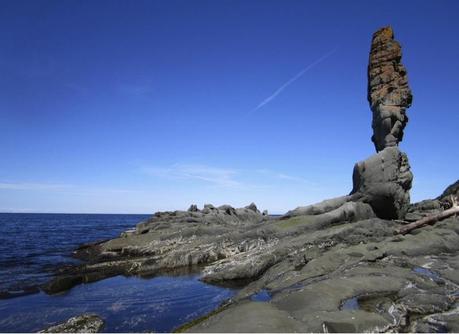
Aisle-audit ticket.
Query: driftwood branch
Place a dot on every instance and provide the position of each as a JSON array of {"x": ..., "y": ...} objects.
[{"x": 430, "y": 220}]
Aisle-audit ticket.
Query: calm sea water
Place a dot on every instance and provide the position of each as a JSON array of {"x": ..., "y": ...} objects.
[{"x": 33, "y": 245}]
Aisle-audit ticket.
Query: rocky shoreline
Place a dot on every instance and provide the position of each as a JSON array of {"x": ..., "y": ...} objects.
[
  {"x": 310, "y": 267},
  {"x": 335, "y": 266}
]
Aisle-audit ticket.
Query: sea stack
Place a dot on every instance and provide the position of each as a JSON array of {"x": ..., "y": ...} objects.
[
  {"x": 384, "y": 180},
  {"x": 388, "y": 92}
]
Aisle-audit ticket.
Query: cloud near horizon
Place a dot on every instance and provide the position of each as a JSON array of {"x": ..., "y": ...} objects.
[
  {"x": 159, "y": 188},
  {"x": 216, "y": 176},
  {"x": 221, "y": 177},
  {"x": 58, "y": 187}
]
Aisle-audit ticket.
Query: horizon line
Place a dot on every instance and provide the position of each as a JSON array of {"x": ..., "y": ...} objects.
[{"x": 98, "y": 213}]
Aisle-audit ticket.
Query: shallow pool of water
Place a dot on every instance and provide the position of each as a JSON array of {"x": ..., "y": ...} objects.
[
  {"x": 127, "y": 304},
  {"x": 427, "y": 272},
  {"x": 261, "y": 296},
  {"x": 350, "y": 304}
]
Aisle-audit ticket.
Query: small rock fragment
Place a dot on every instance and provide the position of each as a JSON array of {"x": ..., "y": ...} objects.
[{"x": 85, "y": 323}]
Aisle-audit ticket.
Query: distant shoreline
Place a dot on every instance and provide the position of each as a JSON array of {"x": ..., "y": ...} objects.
[{"x": 91, "y": 213}]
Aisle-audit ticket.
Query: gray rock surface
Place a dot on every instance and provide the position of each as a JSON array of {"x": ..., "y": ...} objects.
[
  {"x": 388, "y": 91},
  {"x": 384, "y": 181},
  {"x": 86, "y": 323},
  {"x": 386, "y": 280},
  {"x": 327, "y": 269},
  {"x": 167, "y": 241},
  {"x": 318, "y": 208},
  {"x": 453, "y": 189},
  {"x": 354, "y": 277}
]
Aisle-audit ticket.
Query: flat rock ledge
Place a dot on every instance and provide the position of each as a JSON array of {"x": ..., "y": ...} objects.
[{"x": 85, "y": 323}]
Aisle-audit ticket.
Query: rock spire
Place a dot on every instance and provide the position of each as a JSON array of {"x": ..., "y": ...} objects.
[{"x": 388, "y": 91}]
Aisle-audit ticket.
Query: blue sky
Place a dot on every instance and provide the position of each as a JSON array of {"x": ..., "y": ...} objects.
[{"x": 138, "y": 106}]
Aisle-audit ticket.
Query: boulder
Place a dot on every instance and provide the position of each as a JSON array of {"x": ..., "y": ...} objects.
[{"x": 384, "y": 181}]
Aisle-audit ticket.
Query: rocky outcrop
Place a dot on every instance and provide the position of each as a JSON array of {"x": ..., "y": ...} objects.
[
  {"x": 167, "y": 241},
  {"x": 224, "y": 215},
  {"x": 334, "y": 266},
  {"x": 453, "y": 189},
  {"x": 353, "y": 277},
  {"x": 388, "y": 91},
  {"x": 384, "y": 181},
  {"x": 318, "y": 208},
  {"x": 86, "y": 323},
  {"x": 430, "y": 207},
  {"x": 338, "y": 269}
]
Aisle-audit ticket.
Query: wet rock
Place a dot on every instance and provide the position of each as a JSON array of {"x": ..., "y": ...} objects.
[
  {"x": 62, "y": 283},
  {"x": 22, "y": 291},
  {"x": 86, "y": 323}
]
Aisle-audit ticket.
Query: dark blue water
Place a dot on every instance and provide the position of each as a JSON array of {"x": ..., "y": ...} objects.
[
  {"x": 33, "y": 245},
  {"x": 126, "y": 304}
]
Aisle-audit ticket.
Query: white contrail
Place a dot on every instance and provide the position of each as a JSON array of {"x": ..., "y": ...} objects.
[{"x": 292, "y": 80}]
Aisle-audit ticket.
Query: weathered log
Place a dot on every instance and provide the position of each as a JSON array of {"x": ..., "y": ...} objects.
[{"x": 430, "y": 220}]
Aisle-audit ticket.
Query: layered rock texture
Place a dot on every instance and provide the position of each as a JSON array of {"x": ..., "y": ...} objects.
[
  {"x": 384, "y": 180},
  {"x": 334, "y": 266},
  {"x": 388, "y": 91}
]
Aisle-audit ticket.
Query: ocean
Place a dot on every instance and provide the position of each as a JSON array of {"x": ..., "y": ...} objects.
[{"x": 32, "y": 246}]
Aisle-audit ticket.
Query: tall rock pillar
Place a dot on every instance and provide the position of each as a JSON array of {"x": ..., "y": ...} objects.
[
  {"x": 388, "y": 92},
  {"x": 384, "y": 179}
]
